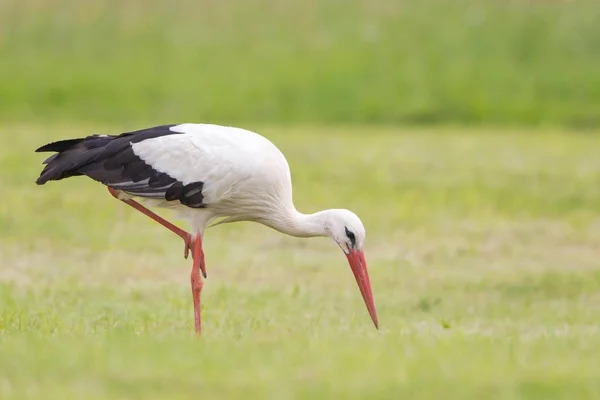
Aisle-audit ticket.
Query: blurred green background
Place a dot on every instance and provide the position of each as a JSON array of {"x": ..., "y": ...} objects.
[
  {"x": 312, "y": 62},
  {"x": 451, "y": 127}
]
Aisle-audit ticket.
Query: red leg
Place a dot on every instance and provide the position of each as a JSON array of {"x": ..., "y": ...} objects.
[
  {"x": 197, "y": 253},
  {"x": 187, "y": 238},
  {"x": 196, "y": 280}
]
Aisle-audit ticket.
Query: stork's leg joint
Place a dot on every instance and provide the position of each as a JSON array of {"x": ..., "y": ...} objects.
[
  {"x": 196, "y": 281},
  {"x": 115, "y": 193}
]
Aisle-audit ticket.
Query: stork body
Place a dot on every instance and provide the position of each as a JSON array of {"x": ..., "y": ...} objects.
[{"x": 205, "y": 173}]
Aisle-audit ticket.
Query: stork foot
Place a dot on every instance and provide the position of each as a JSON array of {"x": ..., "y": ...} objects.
[
  {"x": 190, "y": 245},
  {"x": 187, "y": 242}
]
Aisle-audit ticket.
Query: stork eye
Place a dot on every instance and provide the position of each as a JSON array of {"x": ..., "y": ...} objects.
[{"x": 350, "y": 236}]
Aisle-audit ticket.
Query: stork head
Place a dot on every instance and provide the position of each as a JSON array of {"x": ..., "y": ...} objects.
[{"x": 347, "y": 230}]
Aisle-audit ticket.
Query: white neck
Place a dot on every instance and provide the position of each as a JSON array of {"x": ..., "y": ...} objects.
[{"x": 295, "y": 223}]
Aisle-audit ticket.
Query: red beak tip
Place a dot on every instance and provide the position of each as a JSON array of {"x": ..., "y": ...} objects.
[{"x": 375, "y": 321}]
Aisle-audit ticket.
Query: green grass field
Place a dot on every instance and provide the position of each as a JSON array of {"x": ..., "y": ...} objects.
[
  {"x": 483, "y": 250},
  {"x": 313, "y": 61}
]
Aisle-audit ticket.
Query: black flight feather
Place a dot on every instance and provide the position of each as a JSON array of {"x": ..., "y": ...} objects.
[{"x": 110, "y": 159}]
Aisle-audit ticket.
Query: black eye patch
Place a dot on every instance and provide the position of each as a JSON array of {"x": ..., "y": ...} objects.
[{"x": 351, "y": 237}]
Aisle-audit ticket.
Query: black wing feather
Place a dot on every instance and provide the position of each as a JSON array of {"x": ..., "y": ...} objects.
[{"x": 110, "y": 159}]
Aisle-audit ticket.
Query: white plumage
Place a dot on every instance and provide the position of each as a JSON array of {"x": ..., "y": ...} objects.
[
  {"x": 245, "y": 176},
  {"x": 206, "y": 172}
]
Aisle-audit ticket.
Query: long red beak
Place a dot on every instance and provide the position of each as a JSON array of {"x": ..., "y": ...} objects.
[{"x": 356, "y": 258}]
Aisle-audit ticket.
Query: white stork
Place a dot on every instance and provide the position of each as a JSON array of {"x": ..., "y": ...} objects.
[{"x": 206, "y": 172}]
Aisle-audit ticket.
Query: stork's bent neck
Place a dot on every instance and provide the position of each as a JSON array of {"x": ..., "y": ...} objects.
[{"x": 297, "y": 224}]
